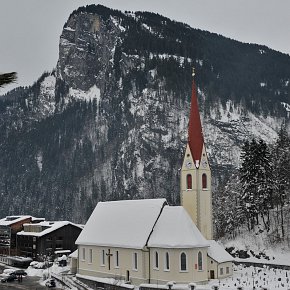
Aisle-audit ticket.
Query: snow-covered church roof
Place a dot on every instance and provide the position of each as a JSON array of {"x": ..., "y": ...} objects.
[
  {"x": 125, "y": 224},
  {"x": 175, "y": 229},
  {"x": 139, "y": 223},
  {"x": 218, "y": 253}
]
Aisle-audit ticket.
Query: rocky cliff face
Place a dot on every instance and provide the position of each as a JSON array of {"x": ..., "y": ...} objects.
[{"x": 111, "y": 121}]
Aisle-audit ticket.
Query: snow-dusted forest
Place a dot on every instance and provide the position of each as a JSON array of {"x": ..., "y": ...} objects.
[{"x": 256, "y": 197}]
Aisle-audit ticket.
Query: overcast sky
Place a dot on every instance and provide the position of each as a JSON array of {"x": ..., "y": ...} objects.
[{"x": 30, "y": 29}]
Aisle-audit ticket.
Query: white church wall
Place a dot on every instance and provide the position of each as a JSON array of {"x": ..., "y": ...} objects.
[
  {"x": 162, "y": 274},
  {"x": 125, "y": 264}
]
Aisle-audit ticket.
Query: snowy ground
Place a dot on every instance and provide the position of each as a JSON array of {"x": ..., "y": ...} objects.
[
  {"x": 45, "y": 274},
  {"x": 256, "y": 245},
  {"x": 250, "y": 277},
  {"x": 245, "y": 277}
]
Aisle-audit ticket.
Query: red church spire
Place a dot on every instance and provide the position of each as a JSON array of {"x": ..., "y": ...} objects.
[{"x": 195, "y": 136}]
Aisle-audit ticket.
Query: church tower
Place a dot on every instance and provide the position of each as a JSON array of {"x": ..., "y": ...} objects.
[{"x": 195, "y": 182}]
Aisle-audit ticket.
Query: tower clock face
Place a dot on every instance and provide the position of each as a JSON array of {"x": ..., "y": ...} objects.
[{"x": 188, "y": 164}]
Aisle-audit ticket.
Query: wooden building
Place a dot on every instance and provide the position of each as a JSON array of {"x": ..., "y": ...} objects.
[
  {"x": 9, "y": 227},
  {"x": 46, "y": 239}
]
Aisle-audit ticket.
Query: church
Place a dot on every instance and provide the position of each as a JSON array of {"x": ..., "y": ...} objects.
[{"x": 150, "y": 242}]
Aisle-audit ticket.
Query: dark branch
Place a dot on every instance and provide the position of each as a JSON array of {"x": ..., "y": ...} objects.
[{"x": 7, "y": 78}]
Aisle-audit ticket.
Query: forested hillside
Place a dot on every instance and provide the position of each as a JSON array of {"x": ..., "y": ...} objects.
[
  {"x": 256, "y": 197},
  {"x": 110, "y": 122}
]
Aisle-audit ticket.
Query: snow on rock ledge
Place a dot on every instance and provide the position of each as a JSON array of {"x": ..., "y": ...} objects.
[{"x": 93, "y": 93}]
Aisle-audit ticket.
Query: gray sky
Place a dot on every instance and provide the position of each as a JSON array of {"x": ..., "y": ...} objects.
[{"x": 30, "y": 29}]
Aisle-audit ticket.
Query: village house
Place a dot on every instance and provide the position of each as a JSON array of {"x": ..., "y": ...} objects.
[
  {"x": 47, "y": 239},
  {"x": 219, "y": 261},
  {"x": 148, "y": 241},
  {"x": 9, "y": 227}
]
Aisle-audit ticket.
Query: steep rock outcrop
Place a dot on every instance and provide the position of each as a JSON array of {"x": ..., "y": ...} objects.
[{"x": 110, "y": 122}]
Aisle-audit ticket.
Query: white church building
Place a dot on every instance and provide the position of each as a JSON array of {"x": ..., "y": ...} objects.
[{"x": 148, "y": 241}]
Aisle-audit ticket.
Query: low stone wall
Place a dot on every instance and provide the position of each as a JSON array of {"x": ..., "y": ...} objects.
[
  {"x": 93, "y": 284},
  {"x": 261, "y": 265},
  {"x": 152, "y": 288},
  {"x": 102, "y": 286}
]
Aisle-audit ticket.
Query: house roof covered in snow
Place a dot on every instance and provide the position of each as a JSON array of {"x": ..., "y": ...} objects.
[
  {"x": 75, "y": 254},
  {"x": 10, "y": 220},
  {"x": 48, "y": 228},
  {"x": 218, "y": 253},
  {"x": 175, "y": 229},
  {"x": 125, "y": 224}
]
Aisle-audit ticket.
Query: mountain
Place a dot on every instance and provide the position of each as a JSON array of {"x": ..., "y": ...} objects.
[{"x": 110, "y": 122}]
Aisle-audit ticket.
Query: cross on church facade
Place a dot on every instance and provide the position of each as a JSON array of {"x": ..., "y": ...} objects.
[{"x": 109, "y": 255}]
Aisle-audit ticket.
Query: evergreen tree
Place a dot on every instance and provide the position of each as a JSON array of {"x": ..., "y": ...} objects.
[
  {"x": 247, "y": 172},
  {"x": 281, "y": 160},
  {"x": 228, "y": 213},
  {"x": 256, "y": 180},
  {"x": 264, "y": 182}
]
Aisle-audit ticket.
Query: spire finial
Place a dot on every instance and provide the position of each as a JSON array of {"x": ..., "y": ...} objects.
[{"x": 193, "y": 71}]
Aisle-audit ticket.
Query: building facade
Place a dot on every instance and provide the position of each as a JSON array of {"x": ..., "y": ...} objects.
[
  {"x": 148, "y": 241},
  {"x": 142, "y": 241},
  {"x": 9, "y": 227},
  {"x": 195, "y": 180},
  {"x": 44, "y": 239},
  {"x": 220, "y": 263}
]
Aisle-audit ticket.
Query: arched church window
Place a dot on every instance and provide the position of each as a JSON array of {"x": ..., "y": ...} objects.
[
  {"x": 189, "y": 181},
  {"x": 166, "y": 264},
  {"x": 199, "y": 261},
  {"x": 204, "y": 181},
  {"x": 183, "y": 262},
  {"x": 156, "y": 264}
]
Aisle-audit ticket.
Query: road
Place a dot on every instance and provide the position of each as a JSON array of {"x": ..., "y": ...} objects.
[
  {"x": 31, "y": 283},
  {"x": 28, "y": 283}
]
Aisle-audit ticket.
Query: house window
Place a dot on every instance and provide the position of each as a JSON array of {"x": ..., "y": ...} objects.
[
  {"x": 84, "y": 254},
  {"x": 58, "y": 246},
  {"x": 103, "y": 255},
  {"x": 188, "y": 181},
  {"x": 135, "y": 261},
  {"x": 227, "y": 270},
  {"x": 204, "y": 181},
  {"x": 221, "y": 271},
  {"x": 90, "y": 256},
  {"x": 183, "y": 262},
  {"x": 199, "y": 261},
  {"x": 156, "y": 260},
  {"x": 166, "y": 262},
  {"x": 117, "y": 259}
]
